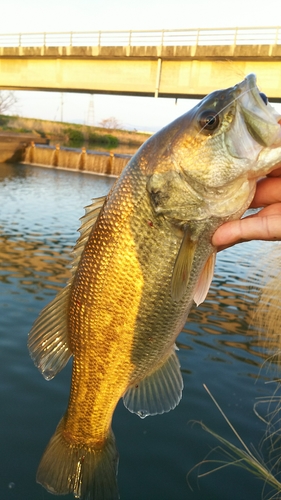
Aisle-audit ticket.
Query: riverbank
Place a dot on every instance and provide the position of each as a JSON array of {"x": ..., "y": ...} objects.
[
  {"x": 66, "y": 145},
  {"x": 73, "y": 135}
]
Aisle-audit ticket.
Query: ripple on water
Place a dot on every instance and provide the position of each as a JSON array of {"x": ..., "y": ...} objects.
[{"x": 40, "y": 211}]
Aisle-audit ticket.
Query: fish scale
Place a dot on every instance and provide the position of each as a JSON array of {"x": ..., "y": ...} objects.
[{"x": 143, "y": 258}]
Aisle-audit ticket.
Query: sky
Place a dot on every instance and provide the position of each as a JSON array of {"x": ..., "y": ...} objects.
[{"x": 84, "y": 15}]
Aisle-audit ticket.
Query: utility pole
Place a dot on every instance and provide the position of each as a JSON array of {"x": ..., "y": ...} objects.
[{"x": 91, "y": 112}]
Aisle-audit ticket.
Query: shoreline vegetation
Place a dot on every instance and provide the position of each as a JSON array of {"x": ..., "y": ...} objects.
[{"x": 74, "y": 135}]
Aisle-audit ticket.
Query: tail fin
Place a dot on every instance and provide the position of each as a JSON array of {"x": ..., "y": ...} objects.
[{"x": 88, "y": 473}]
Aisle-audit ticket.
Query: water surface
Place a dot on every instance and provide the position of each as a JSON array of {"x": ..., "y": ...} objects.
[{"x": 40, "y": 211}]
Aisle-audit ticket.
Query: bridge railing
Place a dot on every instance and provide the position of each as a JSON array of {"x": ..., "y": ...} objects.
[{"x": 188, "y": 37}]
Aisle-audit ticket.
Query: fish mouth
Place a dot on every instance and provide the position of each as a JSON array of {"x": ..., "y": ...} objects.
[{"x": 261, "y": 119}]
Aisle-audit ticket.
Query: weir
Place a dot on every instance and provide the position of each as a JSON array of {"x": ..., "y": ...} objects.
[{"x": 77, "y": 159}]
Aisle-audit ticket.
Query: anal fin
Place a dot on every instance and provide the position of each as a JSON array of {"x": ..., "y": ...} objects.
[{"x": 159, "y": 392}]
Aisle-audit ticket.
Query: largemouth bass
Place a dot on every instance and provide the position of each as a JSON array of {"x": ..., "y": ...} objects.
[{"x": 143, "y": 256}]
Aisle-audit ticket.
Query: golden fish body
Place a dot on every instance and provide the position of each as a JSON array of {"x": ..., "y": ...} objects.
[{"x": 143, "y": 256}]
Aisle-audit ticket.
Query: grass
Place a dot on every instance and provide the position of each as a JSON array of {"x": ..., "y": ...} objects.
[
  {"x": 266, "y": 321},
  {"x": 242, "y": 456}
]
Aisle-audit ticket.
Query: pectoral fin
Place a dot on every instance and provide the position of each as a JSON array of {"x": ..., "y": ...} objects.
[
  {"x": 205, "y": 280},
  {"x": 159, "y": 392},
  {"x": 183, "y": 267}
]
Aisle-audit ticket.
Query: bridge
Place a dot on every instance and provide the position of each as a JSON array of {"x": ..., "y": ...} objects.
[{"x": 167, "y": 63}]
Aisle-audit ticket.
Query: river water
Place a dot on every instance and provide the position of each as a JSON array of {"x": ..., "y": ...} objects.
[{"x": 40, "y": 208}]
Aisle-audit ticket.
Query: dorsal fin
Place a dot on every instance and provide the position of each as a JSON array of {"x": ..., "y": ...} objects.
[
  {"x": 48, "y": 338},
  {"x": 88, "y": 221},
  {"x": 48, "y": 341}
]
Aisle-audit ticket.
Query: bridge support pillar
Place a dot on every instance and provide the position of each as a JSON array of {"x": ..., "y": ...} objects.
[{"x": 158, "y": 77}]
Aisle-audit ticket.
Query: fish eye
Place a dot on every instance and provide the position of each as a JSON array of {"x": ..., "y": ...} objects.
[
  {"x": 264, "y": 98},
  {"x": 209, "y": 120}
]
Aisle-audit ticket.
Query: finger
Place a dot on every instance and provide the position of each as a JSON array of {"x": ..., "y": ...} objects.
[
  {"x": 251, "y": 228},
  {"x": 271, "y": 210},
  {"x": 268, "y": 192}
]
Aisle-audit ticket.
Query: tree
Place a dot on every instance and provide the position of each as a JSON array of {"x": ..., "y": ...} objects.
[
  {"x": 111, "y": 123},
  {"x": 7, "y": 101}
]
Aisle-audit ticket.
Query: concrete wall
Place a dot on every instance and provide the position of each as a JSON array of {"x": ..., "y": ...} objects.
[
  {"x": 13, "y": 146},
  {"x": 166, "y": 71}
]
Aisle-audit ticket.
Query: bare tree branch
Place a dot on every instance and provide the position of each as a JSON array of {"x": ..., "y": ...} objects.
[
  {"x": 7, "y": 101},
  {"x": 110, "y": 123}
]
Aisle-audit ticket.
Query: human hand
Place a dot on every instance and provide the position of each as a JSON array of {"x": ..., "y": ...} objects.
[{"x": 264, "y": 225}]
